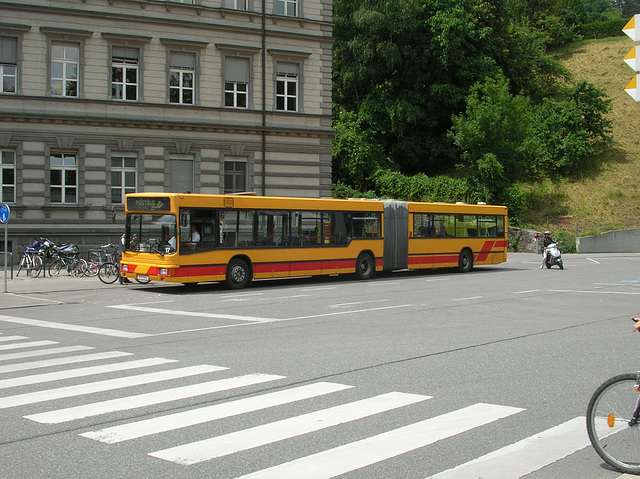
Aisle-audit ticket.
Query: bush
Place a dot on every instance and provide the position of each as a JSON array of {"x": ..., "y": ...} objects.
[{"x": 611, "y": 28}]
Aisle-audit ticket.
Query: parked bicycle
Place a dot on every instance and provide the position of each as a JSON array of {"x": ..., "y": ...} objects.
[
  {"x": 109, "y": 272},
  {"x": 612, "y": 422},
  {"x": 108, "y": 253},
  {"x": 66, "y": 257},
  {"x": 31, "y": 260}
]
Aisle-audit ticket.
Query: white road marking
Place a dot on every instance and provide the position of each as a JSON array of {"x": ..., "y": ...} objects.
[
  {"x": 30, "y": 344},
  {"x": 357, "y": 303},
  {"x": 526, "y": 456},
  {"x": 72, "y": 327},
  {"x": 593, "y": 261},
  {"x": 180, "y": 420},
  {"x": 314, "y": 316},
  {"x": 276, "y": 431},
  {"x": 43, "y": 352},
  {"x": 45, "y": 363},
  {"x": 365, "y": 452},
  {"x": 12, "y": 338},
  {"x": 100, "y": 386},
  {"x": 342, "y": 313},
  {"x": 81, "y": 372},
  {"x": 527, "y": 291},
  {"x": 467, "y": 299},
  {"x": 195, "y": 314},
  {"x": 149, "y": 399},
  {"x": 592, "y": 291}
]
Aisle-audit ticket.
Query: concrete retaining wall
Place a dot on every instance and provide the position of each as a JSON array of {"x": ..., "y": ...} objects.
[{"x": 619, "y": 241}]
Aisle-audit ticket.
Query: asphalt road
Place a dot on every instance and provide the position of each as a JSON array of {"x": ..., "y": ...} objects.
[{"x": 409, "y": 375}]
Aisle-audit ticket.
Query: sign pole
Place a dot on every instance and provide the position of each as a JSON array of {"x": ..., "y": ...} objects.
[
  {"x": 6, "y": 243},
  {"x": 632, "y": 30},
  {"x": 4, "y": 218}
]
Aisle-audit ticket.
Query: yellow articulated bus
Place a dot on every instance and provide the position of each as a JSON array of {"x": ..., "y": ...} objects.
[{"x": 191, "y": 238}]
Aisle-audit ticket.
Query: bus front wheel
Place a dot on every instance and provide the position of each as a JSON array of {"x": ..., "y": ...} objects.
[
  {"x": 465, "y": 261},
  {"x": 238, "y": 274},
  {"x": 365, "y": 266}
]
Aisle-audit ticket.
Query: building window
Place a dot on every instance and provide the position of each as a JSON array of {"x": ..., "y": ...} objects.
[
  {"x": 7, "y": 176},
  {"x": 236, "y": 4},
  {"x": 124, "y": 74},
  {"x": 124, "y": 177},
  {"x": 65, "y": 67},
  {"x": 8, "y": 64},
  {"x": 181, "y": 78},
  {"x": 63, "y": 178},
  {"x": 235, "y": 176},
  {"x": 287, "y": 7},
  {"x": 287, "y": 87},
  {"x": 236, "y": 84}
]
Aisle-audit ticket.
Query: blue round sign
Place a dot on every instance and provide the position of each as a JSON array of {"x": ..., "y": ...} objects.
[{"x": 4, "y": 213}]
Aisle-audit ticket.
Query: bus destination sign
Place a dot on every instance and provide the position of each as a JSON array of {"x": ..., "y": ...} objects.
[{"x": 148, "y": 204}]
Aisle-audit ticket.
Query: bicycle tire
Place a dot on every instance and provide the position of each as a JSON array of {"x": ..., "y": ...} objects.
[
  {"x": 92, "y": 268},
  {"x": 608, "y": 414},
  {"x": 79, "y": 268},
  {"x": 55, "y": 267},
  {"x": 36, "y": 267},
  {"x": 108, "y": 273}
]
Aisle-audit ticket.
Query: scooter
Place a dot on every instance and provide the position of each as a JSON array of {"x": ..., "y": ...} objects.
[{"x": 553, "y": 256}]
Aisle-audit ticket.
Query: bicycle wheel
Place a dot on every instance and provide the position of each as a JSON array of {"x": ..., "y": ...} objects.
[
  {"x": 36, "y": 266},
  {"x": 79, "y": 268},
  {"x": 55, "y": 267},
  {"x": 610, "y": 409},
  {"x": 108, "y": 273},
  {"x": 92, "y": 268}
]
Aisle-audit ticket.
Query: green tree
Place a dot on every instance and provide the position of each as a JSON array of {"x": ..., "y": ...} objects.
[
  {"x": 494, "y": 136},
  {"x": 572, "y": 131}
]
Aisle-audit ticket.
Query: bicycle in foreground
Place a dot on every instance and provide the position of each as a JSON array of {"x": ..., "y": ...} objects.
[
  {"x": 613, "y": 417},
  {"x": 109, "y": 272}
]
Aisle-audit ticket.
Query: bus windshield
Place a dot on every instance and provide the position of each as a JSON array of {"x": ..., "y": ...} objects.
[{"x": 147, "y": 232}]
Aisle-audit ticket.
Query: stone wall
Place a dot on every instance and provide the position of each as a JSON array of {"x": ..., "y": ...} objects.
[{"x": 522, "y": 240}]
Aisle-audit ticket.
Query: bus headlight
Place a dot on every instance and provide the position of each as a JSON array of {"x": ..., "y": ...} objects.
[
  {"x": 164, "y": 272},
  {"x": 124, "y": 268}
]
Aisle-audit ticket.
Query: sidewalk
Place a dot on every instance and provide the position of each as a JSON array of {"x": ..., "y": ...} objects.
[{"x": 23, "y": 291}]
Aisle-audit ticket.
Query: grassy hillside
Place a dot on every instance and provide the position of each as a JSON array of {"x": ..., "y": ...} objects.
[{"x": 607, "y": 195}]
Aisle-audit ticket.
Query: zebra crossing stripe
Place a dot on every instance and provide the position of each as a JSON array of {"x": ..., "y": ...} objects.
[
  {"x": 258, "y": 436},
  {"x": 125, "y": 432},
  {"x": 81, "y": 372},
  {"x": 5, "y": 339},
  {"x": 73, "y": 327},
  {"x": 45, "y": 363},
  {"x": 526, "y": 456},
  {"x": 30, "y": 344},
  {"x": 356, "y": 455},
  {"x": 108, "y": 385},
  {"x": 43, "y": 352},
  {"x": 148, "y": 399}
]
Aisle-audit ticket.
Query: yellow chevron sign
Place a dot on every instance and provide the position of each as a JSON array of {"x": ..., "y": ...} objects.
[
  {"x": 632, "y": 59},
  {"x": 632, "y": 88},
  {"x": 632, "y": 28}
]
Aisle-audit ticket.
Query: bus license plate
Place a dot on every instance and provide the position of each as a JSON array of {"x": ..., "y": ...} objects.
[{"x": 143, "y": 277}]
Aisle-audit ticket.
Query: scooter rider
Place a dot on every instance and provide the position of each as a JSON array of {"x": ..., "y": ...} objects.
[{"x": 546, "y": 241}]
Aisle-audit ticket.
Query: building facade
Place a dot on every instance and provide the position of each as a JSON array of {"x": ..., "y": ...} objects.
[{"x": 101, "y": 98}]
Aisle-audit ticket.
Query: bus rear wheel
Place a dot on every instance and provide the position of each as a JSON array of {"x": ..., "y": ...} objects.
[
  {"x": 238, "y": 274},
  {"x": 465, "y": 261},
  {"x": 365, "y": 266}
]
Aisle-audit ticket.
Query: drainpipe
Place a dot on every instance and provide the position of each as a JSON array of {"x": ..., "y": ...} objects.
[{"x": 264, "y": 98}]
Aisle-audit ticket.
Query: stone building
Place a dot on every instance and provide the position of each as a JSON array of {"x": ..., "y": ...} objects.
[{"x": 101, "y": 98}]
